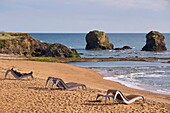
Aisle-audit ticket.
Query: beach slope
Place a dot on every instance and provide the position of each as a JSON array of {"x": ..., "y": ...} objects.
[{"x": 32, "y": 96}]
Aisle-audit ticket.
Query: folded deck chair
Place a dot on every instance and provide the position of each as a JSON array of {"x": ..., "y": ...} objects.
[
  {"x": 18, "y": 75},
  {"x": 119, "y": 97},
  {"x": 61, "y": 84}
]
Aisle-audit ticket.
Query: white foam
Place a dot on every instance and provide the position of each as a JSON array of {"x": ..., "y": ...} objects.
[
  {"x": 162, "y": 91},
  {"x": 160, "y": 71},
  {"x": 137, "y": 74},
  {"x": 138, "y": 85},
  {"x": 132, "y": 75},
  {"x": 126, "y": 83}
]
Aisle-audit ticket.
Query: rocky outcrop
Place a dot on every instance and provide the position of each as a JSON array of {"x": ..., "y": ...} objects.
[
  {"x": 123, "y": 48},
  {"x": 98, "y": 40},
  {"x": 24, "y": 44},
  {"x": 154, "y": 42}
]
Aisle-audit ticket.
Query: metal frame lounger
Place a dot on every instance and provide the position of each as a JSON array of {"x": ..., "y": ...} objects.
[
  {"x": 18, "y": 75},
  {"x": 119, "y": 97},
  {"x": 61, "y": 84}
]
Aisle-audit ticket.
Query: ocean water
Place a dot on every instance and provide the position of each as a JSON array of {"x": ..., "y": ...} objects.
[
  {"x": 151, "y": 76},
  {"x": 77, "y": 41}
]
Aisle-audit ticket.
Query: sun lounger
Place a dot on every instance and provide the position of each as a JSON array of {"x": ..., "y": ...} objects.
[
  {"x": 61, "y": 84},
  {"x": 18, "y": 75},
  {"x": 119, "y": 97}
]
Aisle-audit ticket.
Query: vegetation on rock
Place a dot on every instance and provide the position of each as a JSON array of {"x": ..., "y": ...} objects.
[
  {"x": 98, "y": 40},
  {"x": 24, "y": 44}
]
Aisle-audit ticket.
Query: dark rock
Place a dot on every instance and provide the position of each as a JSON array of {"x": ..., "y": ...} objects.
[
  {"x": 98, "y": 40},
  {"x": 154, "y": 42},
  {"x": 118, "y": 49},
  {"x": 59, "y": 50},
  {"x": 127, "y": 47},
  {"x": 74, "y": 53},
  {"x": 24, "y": 44},
  {"x": 123, "y": 48},
  {"x": 81, "y": 53}
]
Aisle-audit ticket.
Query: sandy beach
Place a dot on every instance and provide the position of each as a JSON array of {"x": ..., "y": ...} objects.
[{"x": 32, "y": 96}]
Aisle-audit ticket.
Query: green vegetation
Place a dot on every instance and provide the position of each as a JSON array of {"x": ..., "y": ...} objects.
[
  {"x": 2, "y": 44},
  {"x": 5, "y": 35},
  {"x": 98, "y": 33},
  {"x": 20, "y": 42},
  {"x": 55, "y": 59},
  {"x": 74, "y": 54},
  {"x": 43, "y": 59}
]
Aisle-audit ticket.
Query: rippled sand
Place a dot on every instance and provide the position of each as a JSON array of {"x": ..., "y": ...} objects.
[{"x": 31, "y": 95}]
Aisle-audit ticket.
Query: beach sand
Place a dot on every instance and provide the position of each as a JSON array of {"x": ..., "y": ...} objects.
[{"x": 32, "y": 96}]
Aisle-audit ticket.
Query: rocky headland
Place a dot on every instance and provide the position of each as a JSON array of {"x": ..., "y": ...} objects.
[{"x": 25, "y": 45}]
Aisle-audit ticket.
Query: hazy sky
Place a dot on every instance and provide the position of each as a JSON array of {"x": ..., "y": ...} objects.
[{"x": 85, "y": 15}]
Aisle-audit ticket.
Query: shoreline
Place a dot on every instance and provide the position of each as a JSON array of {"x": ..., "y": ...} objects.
[
  {"x": 20, "y": 67},
  {"x": 71, "y": 73},
  {"x": 66, "y": 60},
  {"x": 141, "y": 88},
  {"x": 131, "y": 77}
]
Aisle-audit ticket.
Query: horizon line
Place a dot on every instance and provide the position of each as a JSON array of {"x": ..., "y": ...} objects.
[{"x": 75, "y": 32}]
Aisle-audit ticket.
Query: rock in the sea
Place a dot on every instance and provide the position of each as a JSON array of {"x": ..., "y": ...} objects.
[
  {"x": 154, "y": 42},
  {"x": 98, "y": 40},
  {"x": 59, "y": 50},
  {"x": 123, "y": 48},
  {"x": 24, "y": 44}
]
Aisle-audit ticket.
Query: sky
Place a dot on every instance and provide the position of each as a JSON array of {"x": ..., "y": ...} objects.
[{"x": 81, "y": 16}]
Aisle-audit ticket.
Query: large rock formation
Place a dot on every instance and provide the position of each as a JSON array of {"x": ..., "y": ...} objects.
[
  {"x": 24, "y": 44},
  {"x": 98, "y": 40},
  {"x": 154, "y": 42}
]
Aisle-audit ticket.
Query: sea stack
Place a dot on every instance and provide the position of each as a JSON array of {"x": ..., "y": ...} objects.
[
  {"x": 154, "y": 42},
  {"x": 98, "y": 40}
]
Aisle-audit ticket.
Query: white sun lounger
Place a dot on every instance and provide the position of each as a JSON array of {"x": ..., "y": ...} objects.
[
  {"x": 61, "y": 84},
  {"x": 119, "y": 97}
]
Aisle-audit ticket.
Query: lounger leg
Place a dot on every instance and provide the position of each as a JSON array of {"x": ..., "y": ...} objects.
[
  {"x": 32, "y": 77},
  {"x": 6, "y": 73},
  {"x": 53, "y": 83},
  {"x": 98, "y": 95},
  {"x": 142, "y": 100},
  {"x": 106, "y": 97},
  {"x": 47, "y": 81},
  {"x": 84, "y": 87}
]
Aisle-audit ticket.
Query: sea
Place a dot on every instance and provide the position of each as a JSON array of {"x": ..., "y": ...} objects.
[{"x": 153, "y": 76}]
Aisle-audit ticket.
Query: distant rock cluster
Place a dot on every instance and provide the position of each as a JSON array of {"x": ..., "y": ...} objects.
[
  {"x": 98, "y": 40},
  {"x": 24, "y": 44}
]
